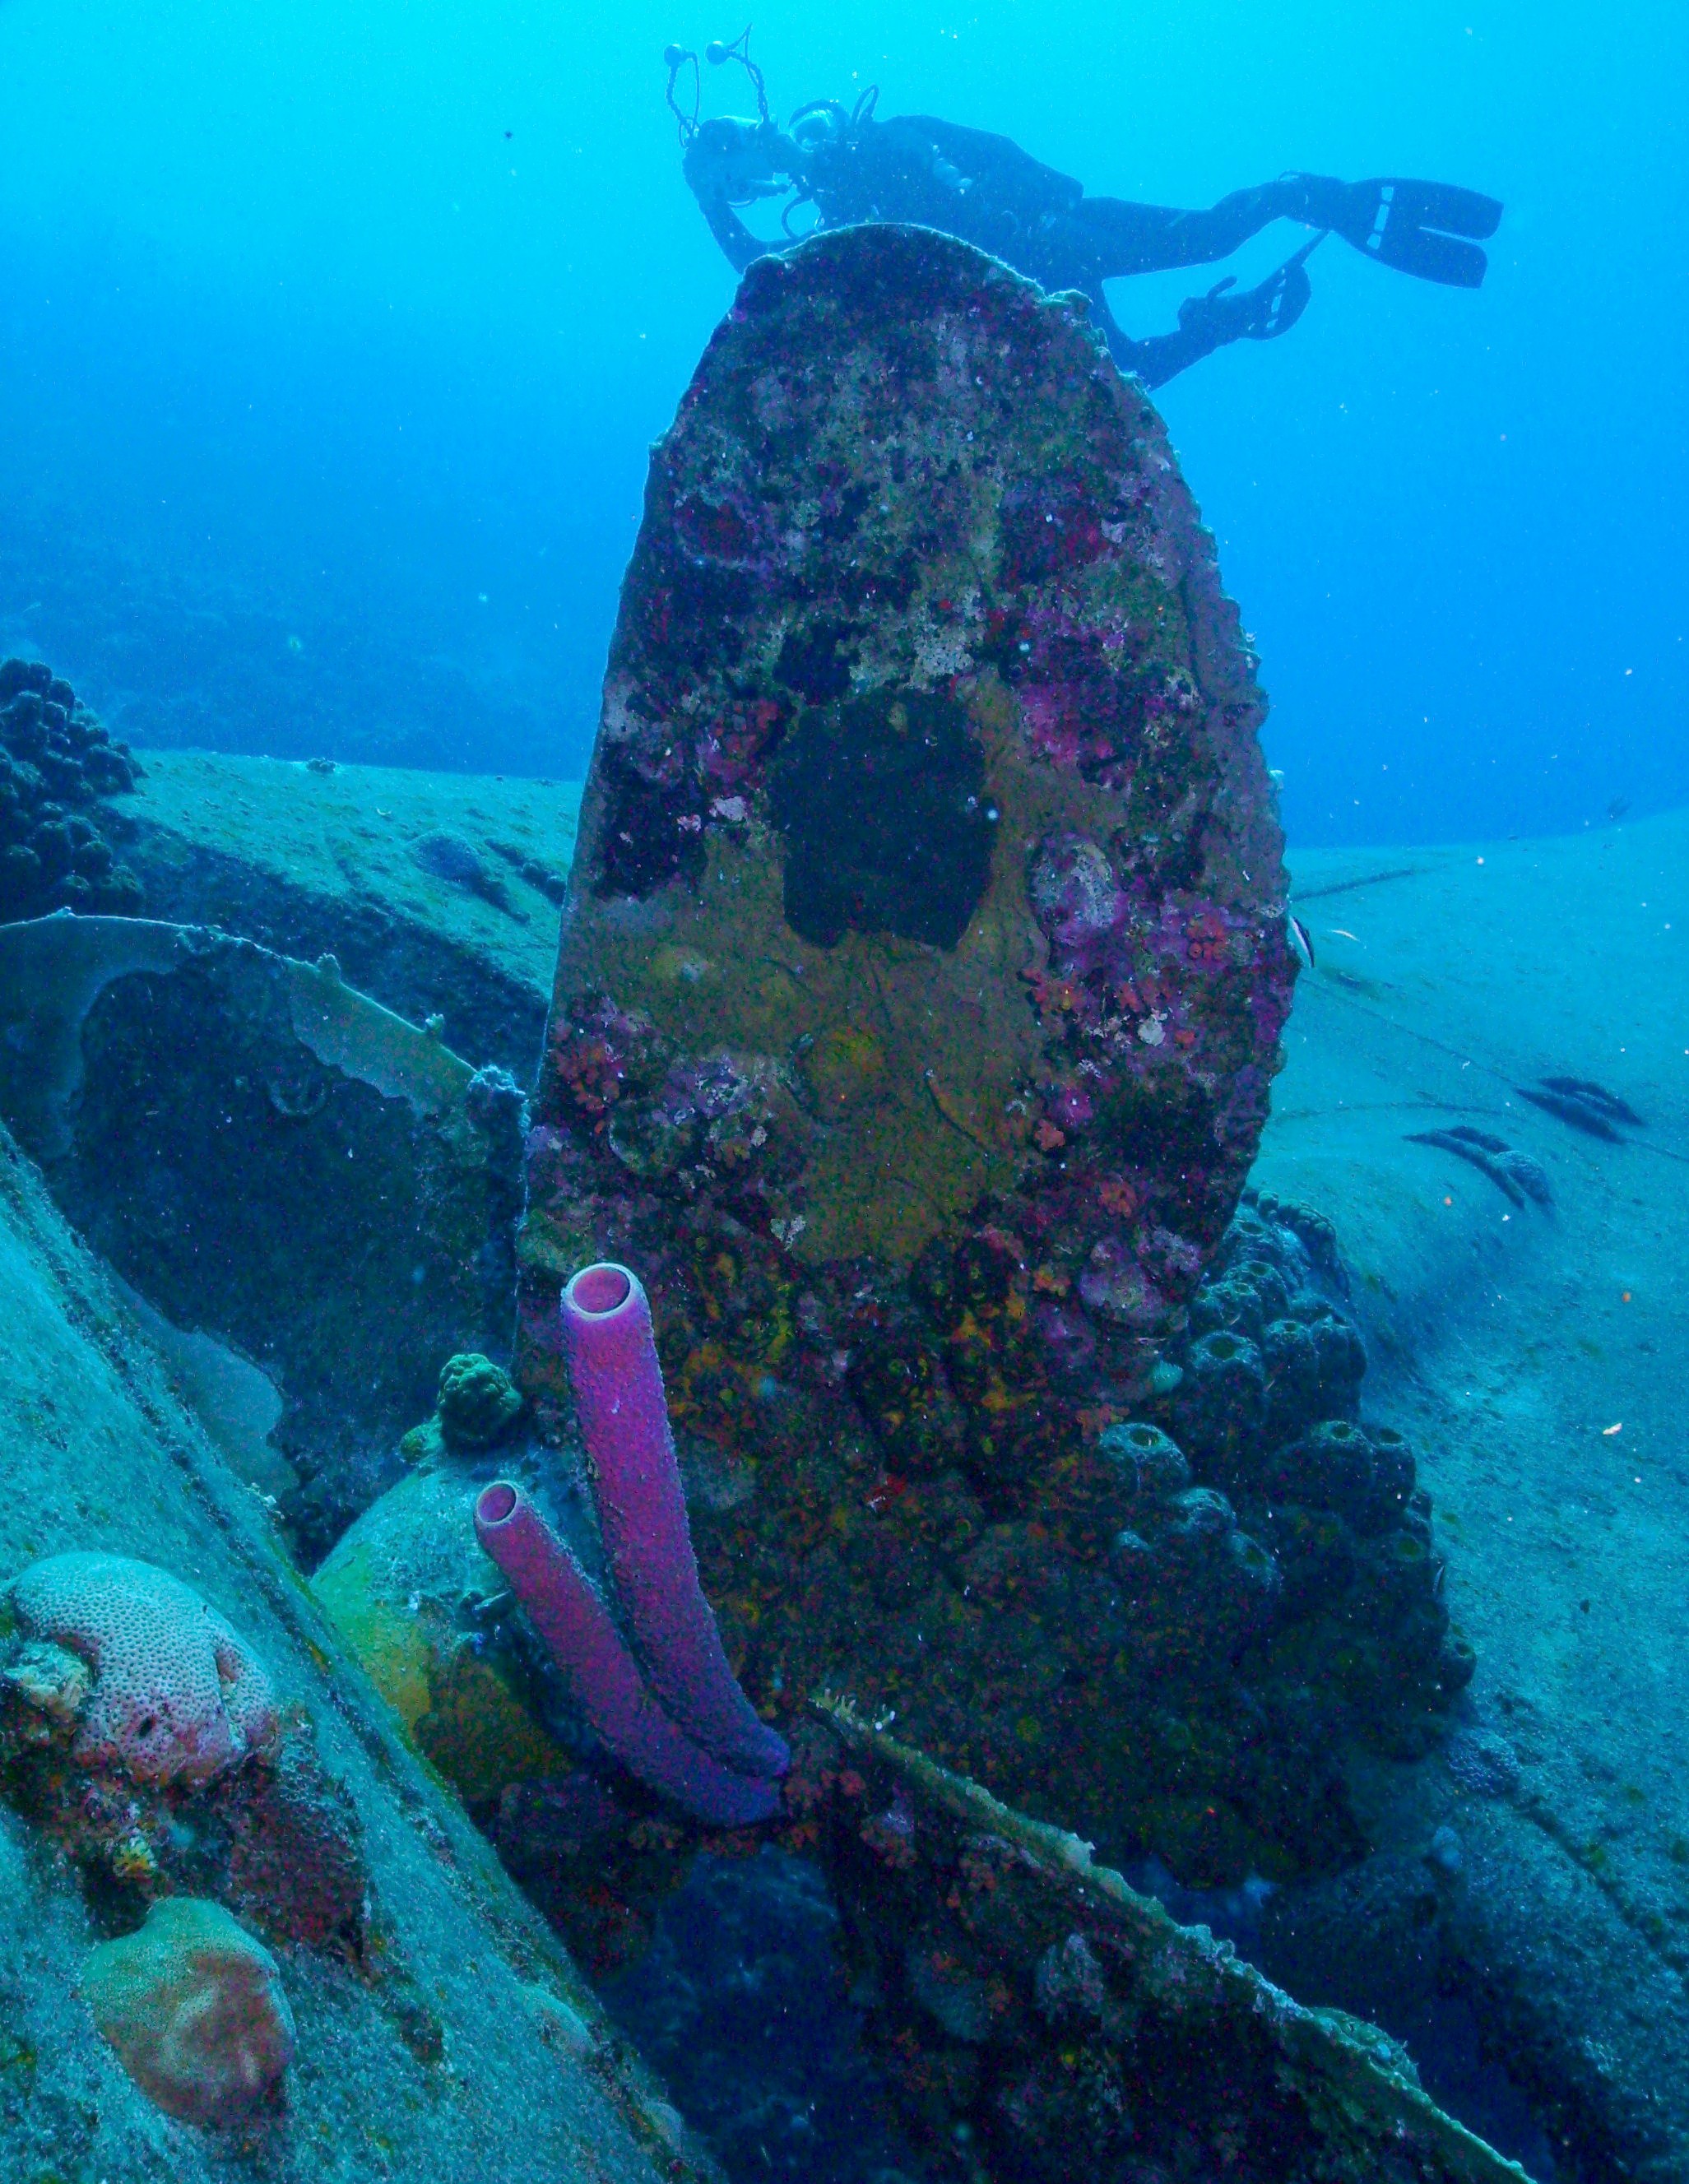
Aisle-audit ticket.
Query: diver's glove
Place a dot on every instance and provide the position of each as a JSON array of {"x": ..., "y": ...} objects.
[
  {"x": 1422, "y": 228},
  {"x": 1258, "y": 314}
]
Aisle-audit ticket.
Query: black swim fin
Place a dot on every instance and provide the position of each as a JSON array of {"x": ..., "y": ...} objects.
[
  {"x": 1431, "y": 230},
  {"x": 1259, "y": 314}
]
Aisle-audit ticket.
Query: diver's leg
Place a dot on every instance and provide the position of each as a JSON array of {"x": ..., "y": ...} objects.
[
  {"x": 1429, "y": 229},
  {"x": 1161, "y": 357},
  {"x": 1158, "y": 357},
  {"x": 1117, "y": 238},
  {"x": 1135, "y": 357},
  {"x": 1209, "y": 322}
]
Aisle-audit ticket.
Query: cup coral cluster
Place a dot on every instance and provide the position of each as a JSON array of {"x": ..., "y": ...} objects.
[
  {"x": 57, "y": 766},
  {"x": 1268, "y": 1414}
]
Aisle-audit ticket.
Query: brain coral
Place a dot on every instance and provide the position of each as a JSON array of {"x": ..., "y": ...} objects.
[
  {"x": 195, "y": 2010},
  {"x": 178, "y": 1694}
]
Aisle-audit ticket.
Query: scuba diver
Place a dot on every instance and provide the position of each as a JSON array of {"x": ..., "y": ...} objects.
[{"x": 848, "y": 167}]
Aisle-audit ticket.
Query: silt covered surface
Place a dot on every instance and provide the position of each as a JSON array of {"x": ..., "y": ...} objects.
[{"x": 441, "y": 2034}]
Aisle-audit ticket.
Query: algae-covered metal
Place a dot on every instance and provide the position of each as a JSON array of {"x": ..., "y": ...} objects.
[
  {"x": 919, "y": 990},
  {"x": 927, "y": 850},
  {"x": 1035, "y": 2008},
  {"x": 275, "y": 1161}
]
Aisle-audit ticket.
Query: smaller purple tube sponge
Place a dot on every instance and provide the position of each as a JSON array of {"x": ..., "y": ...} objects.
[
  {"x": 601, "y": 1675},
  {"x": 624, "y": 1419}
]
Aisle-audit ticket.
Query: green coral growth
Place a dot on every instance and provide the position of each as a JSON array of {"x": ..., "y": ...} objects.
[{"x": 478, "y": 1402}]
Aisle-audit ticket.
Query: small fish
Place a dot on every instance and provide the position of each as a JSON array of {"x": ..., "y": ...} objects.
[
  {"x": 1571, "y": 1109},
  {"x": 1472, "y": 1145},
  {"x": 1593, "y": 1095},
  {"x": 1301, "y": 943},
  {"x": 1342, "y": 933},
  {"x": 1617, "y": 809}
]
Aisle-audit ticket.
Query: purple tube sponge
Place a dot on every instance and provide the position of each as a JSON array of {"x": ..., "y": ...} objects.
[
  {"x": 601, "y": 1675},
  {"x": 624, "y": 1420}
]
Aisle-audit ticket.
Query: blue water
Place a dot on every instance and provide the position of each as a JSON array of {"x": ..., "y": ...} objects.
[{"x": 331, "y": 341}]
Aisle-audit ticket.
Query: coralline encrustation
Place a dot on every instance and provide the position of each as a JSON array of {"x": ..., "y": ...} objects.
[
  {"x": 194, "y": 2007},
  {"x": 918, "y": 997}
]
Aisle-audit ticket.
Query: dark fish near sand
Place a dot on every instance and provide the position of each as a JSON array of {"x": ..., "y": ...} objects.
[
  {"x": 1516, "y": 1174},
  {"x": 1593, "y": 1095},
  {"x": 1584, "y": 1105}
]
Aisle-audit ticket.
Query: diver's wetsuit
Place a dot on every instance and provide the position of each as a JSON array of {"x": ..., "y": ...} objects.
[{"x": 985, "y": 190}]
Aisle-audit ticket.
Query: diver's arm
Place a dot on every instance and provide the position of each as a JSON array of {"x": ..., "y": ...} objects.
[
  {"x": 711, "y": 178},
  {"x": 740, "y": 245}
]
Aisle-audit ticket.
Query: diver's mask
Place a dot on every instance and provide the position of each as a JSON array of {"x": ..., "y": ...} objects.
[
  {"x": 738, "y": 159},
  {"x": 818, "y": 126}
]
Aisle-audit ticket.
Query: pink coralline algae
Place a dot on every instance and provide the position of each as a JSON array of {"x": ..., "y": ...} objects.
[
  {"x": 681, "y": 1722},
  {"x": 178, "y": 1695}
]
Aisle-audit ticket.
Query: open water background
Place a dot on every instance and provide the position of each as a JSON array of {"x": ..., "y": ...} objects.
[{"x": 333, "y": 337}]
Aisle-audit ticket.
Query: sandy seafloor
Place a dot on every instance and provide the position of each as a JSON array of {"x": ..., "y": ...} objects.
[
  {"x": 1509, "y": 1341},
  {"x": 1538, "y": 1359}
]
